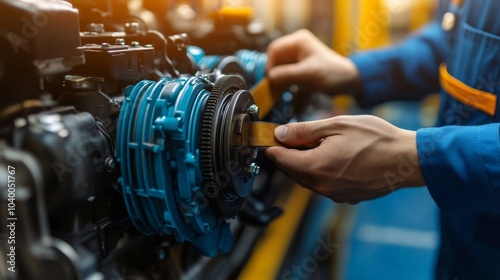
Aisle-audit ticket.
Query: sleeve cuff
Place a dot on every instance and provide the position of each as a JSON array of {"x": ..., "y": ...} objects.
[
  {"x": 372, "y": 83},
  {"x": 461, "y": 167}
]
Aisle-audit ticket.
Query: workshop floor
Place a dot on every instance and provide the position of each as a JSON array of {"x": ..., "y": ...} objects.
[
  {"x": 397, "y": 236},
  {"x": 394, "y": 237}
]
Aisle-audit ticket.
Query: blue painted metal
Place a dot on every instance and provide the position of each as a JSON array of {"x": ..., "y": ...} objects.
[
  {"x": 209, "y": 62},
  {"x": 253, "y": 62},
  {"x": 158, "y": 151},
  {"x": 196, "y": 53}
]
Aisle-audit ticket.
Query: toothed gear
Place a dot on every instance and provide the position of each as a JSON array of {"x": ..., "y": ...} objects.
[{"x": 223, "y": 162}]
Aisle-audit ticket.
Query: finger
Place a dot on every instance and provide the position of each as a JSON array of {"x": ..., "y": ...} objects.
[
  {"x": 287, "y": 74},
  {"x": 290, "y": 160},
  {"x": 305, "y": 133},
  {"x": 287, "y": 49}
]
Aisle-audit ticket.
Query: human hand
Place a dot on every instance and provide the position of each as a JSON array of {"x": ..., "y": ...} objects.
[
  {"x": 359, "y": 157},
  {"x": 301, "y": 58}
]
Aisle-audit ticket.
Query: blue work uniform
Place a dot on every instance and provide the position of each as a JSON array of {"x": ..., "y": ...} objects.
[{"x": 460, "y": 157}]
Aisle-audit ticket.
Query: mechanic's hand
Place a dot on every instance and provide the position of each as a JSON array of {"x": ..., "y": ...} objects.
[
  {"x": 359, "y": 157},
  {"x": 301, "y": 58}
]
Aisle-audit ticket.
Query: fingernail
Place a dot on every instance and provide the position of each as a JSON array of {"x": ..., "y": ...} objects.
[{"x": 280, "y": 132}]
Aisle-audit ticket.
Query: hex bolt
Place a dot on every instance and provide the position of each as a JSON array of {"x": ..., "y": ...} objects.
[
  {"x": 131, "y": 27},
  {"x": 120, "y": 41},
  {"x": 253, "y": 169},
  {"x": 96, "y": 27},
  {"x": 253, "y": 109}
]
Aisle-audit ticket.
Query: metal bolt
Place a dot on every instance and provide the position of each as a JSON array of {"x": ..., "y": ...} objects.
[
  {"x": 96, "y": 27},
  {"x": 131, "y": 27},
  {"x": 105, "y": 45},
  {"x": 109, "y": 164},
  {"x": 63, "y": 133},
  {"x": 120, "y": 41},
  {"x": 253, "y": 169},
  {"x": 161, "y": 254},
  {"x": 134, "y": 44},
  {"x": 50, "y": 119},
  {"x": 20, "y": 122},
  {"x": 253, "y": 109}
]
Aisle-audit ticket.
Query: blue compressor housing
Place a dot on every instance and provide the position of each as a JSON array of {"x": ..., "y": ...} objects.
[{"x": 159, "y": 156}]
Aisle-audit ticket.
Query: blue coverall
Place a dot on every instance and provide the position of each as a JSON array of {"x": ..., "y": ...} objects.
[{"x": 460, "y": 157}]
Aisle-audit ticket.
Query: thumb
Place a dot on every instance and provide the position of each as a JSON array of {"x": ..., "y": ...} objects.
[{"x": 303, "y": 133}]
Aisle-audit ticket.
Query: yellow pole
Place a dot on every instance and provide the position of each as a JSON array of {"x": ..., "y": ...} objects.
[
  {"x": 422, "y": 13},
  {"x": 342, "y": 37},
  {"x": 270, "y": 252},
  {"x": 373, "y": 29}
]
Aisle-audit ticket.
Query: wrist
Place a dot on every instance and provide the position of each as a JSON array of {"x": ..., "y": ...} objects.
[
  {"x": 350, "y": 78},
  {"x": 408, "y": 167}
]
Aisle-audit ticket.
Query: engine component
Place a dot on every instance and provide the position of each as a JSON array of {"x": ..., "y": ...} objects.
[
  {"x": 122, "y": 146},
  {"x": 117, "y": 62},
  {"x": 30, "y": 33},
  {"x": 74, "y": 150},
  {"x": 247, "y": 63},
  {"x": 254, "y": 63},
  {"x": 38, "y": 254},
  {"x": 226, "y": 155},
  {"x": 171, "y": 58},
  {"x": 174, "y": 140}
]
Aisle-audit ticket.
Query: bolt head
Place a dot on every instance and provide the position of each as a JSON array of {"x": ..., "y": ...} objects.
[
  {"x": 96, "y": 27},
  {"x": 253, "y": 169},
  {"x": 120, "y": 41},
  {"x": 131, "y": 27},
  {"x": 253, "y": 109}
]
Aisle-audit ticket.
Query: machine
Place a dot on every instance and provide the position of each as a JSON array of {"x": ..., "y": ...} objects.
[{"x": 124, "y": 150}]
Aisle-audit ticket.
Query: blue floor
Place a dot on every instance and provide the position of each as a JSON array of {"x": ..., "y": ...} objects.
[{"x": 394, "y": 237}]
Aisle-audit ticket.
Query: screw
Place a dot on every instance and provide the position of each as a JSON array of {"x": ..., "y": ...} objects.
[
  {"x": 253, "y": 109},
  {"x": 134, "y": 44},
  {"x": 120, "y": 41},
  {"x": 253, "y": 169},
  {"x": 105, "y": 45}
]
